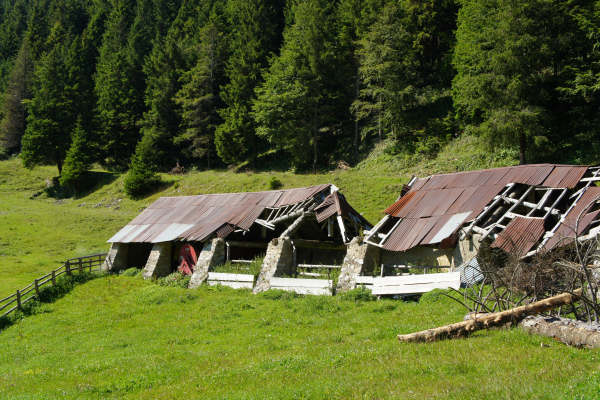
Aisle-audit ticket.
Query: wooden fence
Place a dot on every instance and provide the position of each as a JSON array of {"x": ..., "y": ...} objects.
[{"x": 32, "y": 291}]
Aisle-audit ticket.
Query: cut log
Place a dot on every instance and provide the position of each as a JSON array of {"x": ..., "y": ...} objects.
[
  {"x": 571, "y": 332},
  {"x": 464, "y": 328}
]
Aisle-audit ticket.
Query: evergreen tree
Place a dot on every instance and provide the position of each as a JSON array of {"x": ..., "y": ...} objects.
[
  {"x": 164, "y": 67},
  {"x": 406, "y": 72},
  {"x": 79, "y": 158},
  {"x": 199, "y": 97},
  {"x": 50, "y": 116},
  {"x": 12, "y": 125},
  {"x": 510, "y": 57},
  {"x": 119, "y": 104},
  {"x": 257, "y": 27},
  {"x": 299, "y": 102},
  {"x": 355, "y": 19},
  {"x": 142, "y": 171}
]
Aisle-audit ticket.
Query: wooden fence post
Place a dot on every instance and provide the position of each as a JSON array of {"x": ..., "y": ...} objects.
[
  {"x": 37, "y": 288},
  {"x": 19, "y": 299},
  {"x": 53, "y": 277},
  {"x": 68, "y": 267},
  {"x": 80, "y": 265}
]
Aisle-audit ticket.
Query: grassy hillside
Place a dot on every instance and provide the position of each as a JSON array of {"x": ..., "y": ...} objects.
[{"x": 122, "y": 337}]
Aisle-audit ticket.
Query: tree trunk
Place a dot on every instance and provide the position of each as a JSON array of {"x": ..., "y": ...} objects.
[
  {"x": 571, "y": 332},
  {"x": 59, "y": 165},
  {"x": 356, "y": 136},
  {"x": 465, "y": 328},
  {"x": 522, "y": 148}
]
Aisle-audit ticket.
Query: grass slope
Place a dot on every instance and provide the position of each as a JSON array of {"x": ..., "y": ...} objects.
[{"x": 122, "y": 337}]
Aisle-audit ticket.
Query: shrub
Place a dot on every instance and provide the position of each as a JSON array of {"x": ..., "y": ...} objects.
[
  {"x": 176, "y": 279},
  {"x": 275, "y": 183},
  {"x": 359, "y": 294},
  {"x": 276, "y": 294}
]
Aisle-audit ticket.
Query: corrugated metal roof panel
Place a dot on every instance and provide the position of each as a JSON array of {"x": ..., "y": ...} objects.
[
  {"x": 469, "y": 193},
  {"x": 520, "y": 236},
  {"x": 566, "y": 231},
  {"x": 449, "y": 227},
  {"x": 171, "y": 232},
  {"x": 198, "y": 217}
]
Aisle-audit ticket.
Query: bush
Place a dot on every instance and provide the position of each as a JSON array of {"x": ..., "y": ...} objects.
[
  {"x": 176, "y": 279},
  {"x": 359, "y": 294},
  {"x": 275, "y": 183},
  {"x": 276, "y": 294}
]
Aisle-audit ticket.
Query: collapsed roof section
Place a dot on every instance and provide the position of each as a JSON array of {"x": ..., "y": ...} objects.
[
  {"x": 523, "y": 209},
  {"x": 201, "y": 217}
]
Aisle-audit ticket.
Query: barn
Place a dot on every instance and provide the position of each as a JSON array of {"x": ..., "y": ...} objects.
[
  {"x": 294, "y": 227},
  {"x": 438, "y": 222}
]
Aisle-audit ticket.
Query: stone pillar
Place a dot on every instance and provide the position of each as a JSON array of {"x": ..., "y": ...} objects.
[
  {"x": 360, "y": 258},
  {"x": 116, "y": 258},
  {"x": 278, "y": 260},
  {"x": 159, "y": 261},
  {"x": 212, "y": 254}
]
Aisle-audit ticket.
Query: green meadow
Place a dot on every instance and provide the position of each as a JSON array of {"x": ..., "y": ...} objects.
[{"x": 120, "y": 337}]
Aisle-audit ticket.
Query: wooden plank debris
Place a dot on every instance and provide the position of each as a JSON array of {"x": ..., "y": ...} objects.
[
  {"x": 304, "y": 286},
  {"x": 236, "y": 281}
]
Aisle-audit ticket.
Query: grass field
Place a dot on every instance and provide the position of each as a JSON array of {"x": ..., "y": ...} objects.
[{"x": 121, "y": 337}]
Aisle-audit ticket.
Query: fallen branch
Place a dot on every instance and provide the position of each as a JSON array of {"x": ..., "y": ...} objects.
[{"x": 464, "y": 328}]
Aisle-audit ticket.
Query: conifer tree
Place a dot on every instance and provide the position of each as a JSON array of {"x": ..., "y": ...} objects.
[
  {"x": 406, "y": 72},
  {"x": 257, "y": 27},
  {"x": 119, "y": 105},
  {"x": 12, "y": 125},
  {"x": 300, "y": 98},
  {"x": 199, "y": 97},
  {"x": 79, "y": 157},
  {"x": 510, "y": 57},
  {"x": 50, "y": 111}
]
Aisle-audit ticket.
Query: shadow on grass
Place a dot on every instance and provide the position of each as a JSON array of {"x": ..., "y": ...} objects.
[
  {"x": 90, "y": 182},
  {"x": 157, "y": 186},
  {"x": 49, "y": 294}
]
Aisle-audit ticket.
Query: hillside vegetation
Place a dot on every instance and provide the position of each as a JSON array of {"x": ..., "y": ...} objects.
[
  {"x": 119, "y": 336},
  {"x": 149, "y": 85},
  {"x": 40, "y": 230}
]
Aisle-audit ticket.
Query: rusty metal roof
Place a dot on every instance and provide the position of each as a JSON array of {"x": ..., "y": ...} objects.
[
  {"x": 336, "y": 204},
  {"x": 569, "y": 228},
  {"x": 196, "y": 218},
  {"x": 435, "y": 203},
  {"x": 520, "y": 235}
]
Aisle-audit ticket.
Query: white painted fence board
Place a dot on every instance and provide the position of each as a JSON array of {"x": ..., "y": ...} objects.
[
  {"x": 364, "y": 280},
  {"x": 221, "y": 276},
  {"x": 415, "y": 284},
  {"x": 303, "y": 286},
  {"x": 305, "y": 290},
  {"x": 231, "y": 284},
  {"x": 417, "y": 279},
  {"x": 293, "y": 282}
]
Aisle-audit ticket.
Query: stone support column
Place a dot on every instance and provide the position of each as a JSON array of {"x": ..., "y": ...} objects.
[
  {"x": 279, "y": 259},
  {"x": 360, "y": 258},
  {"x": 116, "y": 258},
  {"x": 159, "y": 261},
  {"x": 212, "y": 254}
]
